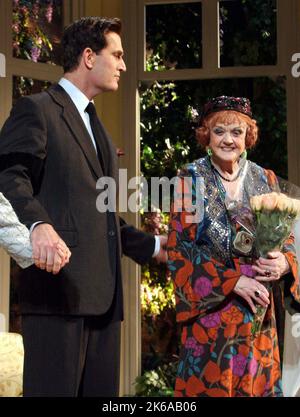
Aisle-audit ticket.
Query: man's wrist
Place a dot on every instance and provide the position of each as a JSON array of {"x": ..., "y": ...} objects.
[{"x": 33, "y": 226}]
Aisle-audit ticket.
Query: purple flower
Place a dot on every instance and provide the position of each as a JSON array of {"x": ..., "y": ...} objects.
[
  {"x": 238, "y": 364},
  {"x": 198, "y": 351},
  {"x": 36, "y": 10},
  {"x": 178, "y": 227},
  {"x": 203, "y": 286},
  {"x": 252, "y": 367},
  {"x": 49, "y": 12},
  {"x": 211, "y": 320},
  {"x": 190, "y": 343},
  {"x": 16, "y": 28},
  {"x": 35, "y": 54}
]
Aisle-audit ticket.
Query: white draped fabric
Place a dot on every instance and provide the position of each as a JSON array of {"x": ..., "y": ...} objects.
[
  {"x": 291, "y": 353},
  {"x": 291, "y": 356},
  {"x": 14, "y": 236}
]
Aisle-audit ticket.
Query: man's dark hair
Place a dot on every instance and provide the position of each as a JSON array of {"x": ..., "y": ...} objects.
[{"x": 87, "y": 32}]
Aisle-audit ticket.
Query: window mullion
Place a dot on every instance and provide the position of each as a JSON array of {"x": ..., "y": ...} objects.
[
  {"x": 210, "y": 30},
  {"x": 37, "y": 70}
]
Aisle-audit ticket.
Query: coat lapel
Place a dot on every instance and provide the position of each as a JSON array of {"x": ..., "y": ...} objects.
[
  {"x": 108, "y": 150},
  {"x": 77, "y": 127}
]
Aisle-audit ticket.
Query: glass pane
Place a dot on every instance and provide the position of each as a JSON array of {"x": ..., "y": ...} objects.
[
  {"x": 173, "y": 36},
  {"x": 248, "y": 32},
  {"x": 21, "y": 87},
  {"x": 167, "y": 132},
  {"x": 37, "y": 29}
]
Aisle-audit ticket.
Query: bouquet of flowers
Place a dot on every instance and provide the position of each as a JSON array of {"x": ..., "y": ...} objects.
[{"x": 275, "y": 214}]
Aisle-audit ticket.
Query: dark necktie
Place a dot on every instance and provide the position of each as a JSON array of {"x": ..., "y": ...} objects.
[
  {"x": 98, "y": 135},
  {"x": 111, "y": 223}
]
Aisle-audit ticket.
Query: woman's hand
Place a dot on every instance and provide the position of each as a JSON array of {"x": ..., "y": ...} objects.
[
  {"x": 272, "y": 268},
  {"x": 252, "y": 291}
]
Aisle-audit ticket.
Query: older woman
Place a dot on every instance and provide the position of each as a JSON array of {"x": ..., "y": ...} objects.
[
  {"x": 15, "y": 238},
  {"x": 218, "y": 284}
]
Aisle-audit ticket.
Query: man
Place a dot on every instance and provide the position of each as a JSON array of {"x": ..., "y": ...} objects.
[{"x": 53, "y": 149}]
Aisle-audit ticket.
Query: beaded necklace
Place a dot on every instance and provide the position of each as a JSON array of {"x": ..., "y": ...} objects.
[{"x": 227, "y": 179}]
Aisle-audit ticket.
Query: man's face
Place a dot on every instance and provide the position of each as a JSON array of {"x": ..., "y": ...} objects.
[{"x": 108, "y": 64}]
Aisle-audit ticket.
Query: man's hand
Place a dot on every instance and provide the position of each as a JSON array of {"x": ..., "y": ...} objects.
[
  {"x": 49, "y": 251},
  {"x": 162, "y": 255}
]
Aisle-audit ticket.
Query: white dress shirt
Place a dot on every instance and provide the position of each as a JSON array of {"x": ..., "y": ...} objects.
[{"x": 81, "y": 101}]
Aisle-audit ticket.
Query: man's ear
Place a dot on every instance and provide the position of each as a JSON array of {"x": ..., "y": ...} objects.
[{"x": 88, "y": 57}]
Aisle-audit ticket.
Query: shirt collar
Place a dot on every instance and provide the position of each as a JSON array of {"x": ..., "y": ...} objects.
[{"x": 79, "y": 99}]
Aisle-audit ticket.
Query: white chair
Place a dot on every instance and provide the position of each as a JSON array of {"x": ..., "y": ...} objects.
[
  {"x": 2, "y": 322},
  {"x": 11, "y": 364}
]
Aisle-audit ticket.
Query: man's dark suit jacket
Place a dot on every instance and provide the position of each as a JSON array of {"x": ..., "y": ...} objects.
[{"x": 48, "y": 171}]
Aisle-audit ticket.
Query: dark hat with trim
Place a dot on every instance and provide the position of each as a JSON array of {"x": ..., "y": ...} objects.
[{"x": 239, "y": 104}]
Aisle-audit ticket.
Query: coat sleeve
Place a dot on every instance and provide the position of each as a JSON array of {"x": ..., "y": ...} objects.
[
  {"x": 136, "y": 244},
  {"x": 23, "y": 151},
  {"x": 201, "y": 282},
  {"x": 14, "y": 236}
]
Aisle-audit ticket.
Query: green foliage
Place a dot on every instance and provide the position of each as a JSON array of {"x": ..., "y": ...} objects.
[
  {"x": 24, "y": 86},
  {"x": 160, "y": 338},
  {"x": 155, "y": 297},
  {"x": 157, "y": 383},
  {"x": 167, "y": 137},
  {"x": 248, "y": 32},
  {"x": 173, "y": 36},
  {"x": 156, "y": 288}
]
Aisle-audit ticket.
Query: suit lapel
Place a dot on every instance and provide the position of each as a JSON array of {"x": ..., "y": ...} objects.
[{"x": 76, "y": 125}]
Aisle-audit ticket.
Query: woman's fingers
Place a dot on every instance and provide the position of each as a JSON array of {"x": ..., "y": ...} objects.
[
  {"x": 260, "y": 298},
  {"x": 253, "y": 292},
  {"x": 251, "y": 304},
  {"x": 273, "y": 277},
  {"x": 259, "y": 269},
  {"x": 57, "y": 264},
  {"x": 270, "y": 273},
  {"x": 262, "y": 289},
  {"x": 64, "y": 252}
]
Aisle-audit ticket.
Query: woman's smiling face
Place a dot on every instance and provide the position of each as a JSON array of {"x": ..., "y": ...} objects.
[{"x": 227, "y": 142}]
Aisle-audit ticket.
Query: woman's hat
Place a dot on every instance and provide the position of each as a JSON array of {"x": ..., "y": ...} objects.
[{"x": 240, "y": 104}]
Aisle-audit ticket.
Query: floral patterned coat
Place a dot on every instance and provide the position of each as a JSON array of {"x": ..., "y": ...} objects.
[{"x": 219, "y": 357}]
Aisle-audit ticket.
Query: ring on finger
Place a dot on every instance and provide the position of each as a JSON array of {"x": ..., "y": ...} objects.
[
  {"x": 267, "y": 273},
  {"x": 257, "y": 293}
]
